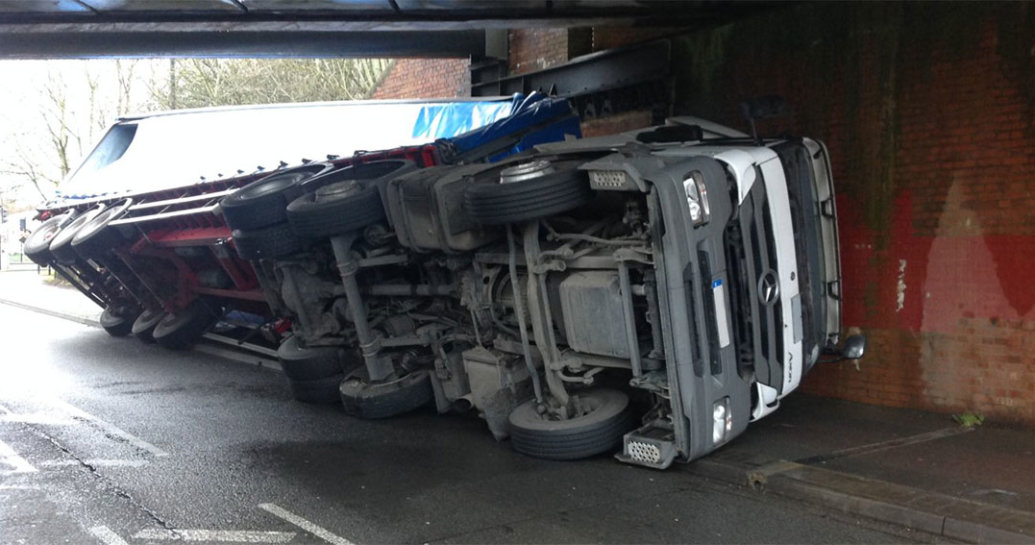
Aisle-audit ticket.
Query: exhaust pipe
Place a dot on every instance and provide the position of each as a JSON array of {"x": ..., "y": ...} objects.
[{"x": 463, "y": 404}]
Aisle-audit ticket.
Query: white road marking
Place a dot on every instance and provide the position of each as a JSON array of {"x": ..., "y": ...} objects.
[
  {"x": 218, "y": 536},
  {"x": 111, "y": 429},
  {"x": 304, "y": 524},
  {"x": 10, "y": 458},
  {"x": 94, "y": 463},
  {"x": 106, "y": 535}
]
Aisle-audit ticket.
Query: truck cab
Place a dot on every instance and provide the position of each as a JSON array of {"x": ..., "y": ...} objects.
[{"x": 748, "y": 277}]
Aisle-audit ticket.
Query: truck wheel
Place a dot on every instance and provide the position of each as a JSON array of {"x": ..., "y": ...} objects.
[
  {"x": 115, "y": 325},
  {"x": 261, "y": 203},
  {"x": 179, "y": 330},
  {"x": 528, "y": 200},
  {"x": 37, "y": 246},
  {"x": 599, "y": 430},
  {"x": 309, "y": 363},
  {"x": 335, "y": 209},
  {"x": 267, "y": 243},
  {"x": 322, "y": 390},
  {"x": 384, "y": 399},
  {"x": 95, "y": 236},
  {"x": 61, "y": 245},
  {"x": 144, "y": 326}
]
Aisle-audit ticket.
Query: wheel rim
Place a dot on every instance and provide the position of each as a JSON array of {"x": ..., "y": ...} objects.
[
  {"x": 595, "y": 432},
  {"x": 109, "y": 319},
  {"x": 101, "y": 220},
  {"x": 175, "y": 320},
  {"x": 147, "y": 320},
  {"x": 279, "y": 181},
  {"x": 63, "y": 238},
  {"x": 600, "y": 404},
  {"x": 526, "y": 171},
  {"x": 41, "y": 238}
]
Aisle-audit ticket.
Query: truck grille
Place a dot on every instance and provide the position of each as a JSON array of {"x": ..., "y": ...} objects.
[{"x": 758, "y": 324}]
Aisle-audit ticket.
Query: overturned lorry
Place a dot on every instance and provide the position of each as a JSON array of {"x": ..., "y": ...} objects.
[{"x": 651, "y": 292}]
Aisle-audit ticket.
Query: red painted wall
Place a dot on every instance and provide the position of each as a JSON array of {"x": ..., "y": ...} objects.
[{"x": 929, "y": 113}]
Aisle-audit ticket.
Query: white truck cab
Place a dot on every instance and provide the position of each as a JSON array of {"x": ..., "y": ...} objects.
[{"x": 748, "y": 275}]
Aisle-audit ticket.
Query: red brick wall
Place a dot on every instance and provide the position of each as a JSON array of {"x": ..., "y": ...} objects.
[
  {"x": 529, "y": 49},
  {"x": 929, "y": 113},
  {"x": 426, "y": 78},
  {"x": 533, "y": 49}
]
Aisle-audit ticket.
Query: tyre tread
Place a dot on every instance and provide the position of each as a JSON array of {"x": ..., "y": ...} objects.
[{"x": 498, "y": 204}]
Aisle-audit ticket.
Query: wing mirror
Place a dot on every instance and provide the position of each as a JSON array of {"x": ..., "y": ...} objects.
[{"x": 854, "y": 347}]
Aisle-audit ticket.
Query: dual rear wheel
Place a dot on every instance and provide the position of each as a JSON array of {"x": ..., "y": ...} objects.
[{"x": 175, "y": 330}]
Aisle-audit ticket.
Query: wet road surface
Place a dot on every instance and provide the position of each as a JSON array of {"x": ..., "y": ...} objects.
[{"x": 114, "y": 441}]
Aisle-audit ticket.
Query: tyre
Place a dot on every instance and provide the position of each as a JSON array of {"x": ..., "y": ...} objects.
[
  {"x": 144, "y": 326},
  {"x": 527, "y": 200},
  {"x": 322, "y": 390},
  {"x": 384, "y": 399},
  {"x": 309, "y": 363},
  {"x": 37, "y": 246},
  {"x": 261, "y": 203},
  {"x": 267, "y": 243},
  {"x": 114, "y": 324},
  {"x": 61, "y": 245},
  {"x": 95, "y": 236},
  {"x": 179, "y": 330},
  {"x": 359, "y": 171},
  {"x": 336, "y": 209},
  {"x": 599, "y": 430}
]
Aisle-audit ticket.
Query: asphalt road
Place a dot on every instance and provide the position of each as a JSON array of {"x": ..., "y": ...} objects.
[{"x": 113, "y": 441}]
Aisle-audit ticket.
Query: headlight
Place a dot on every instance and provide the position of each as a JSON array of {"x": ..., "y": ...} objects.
[
  {"x": 697, "y": 198},
  {"x": 722, "y": 420}
]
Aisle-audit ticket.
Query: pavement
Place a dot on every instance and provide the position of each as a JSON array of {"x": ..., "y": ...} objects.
[
  {"x": 35, "y": 288},
  {"x": 916, "y": 469}
]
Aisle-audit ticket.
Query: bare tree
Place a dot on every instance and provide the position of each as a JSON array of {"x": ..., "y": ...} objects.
[
  {"x": 56, "y": 119},
  {"x": 79, "y": 103},
  {"x": 25, "y": 169},
  {"x": 124, "y": 77},
  {"x": 76, "y": 107},
  {"x": 215, "y": 82}
]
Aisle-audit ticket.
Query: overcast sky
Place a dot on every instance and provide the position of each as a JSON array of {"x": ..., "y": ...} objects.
[{"x": 24, "y": 103}]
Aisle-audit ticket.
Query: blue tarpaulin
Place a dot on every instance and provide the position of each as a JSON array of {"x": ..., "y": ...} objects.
[
  {"x": 452, "y": 118},
  {"x": 534, "y": 119}
]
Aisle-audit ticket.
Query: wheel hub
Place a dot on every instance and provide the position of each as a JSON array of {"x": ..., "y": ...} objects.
[
  {"x": 526, "y": 171},
  {"x": 339, "y": 189}
]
